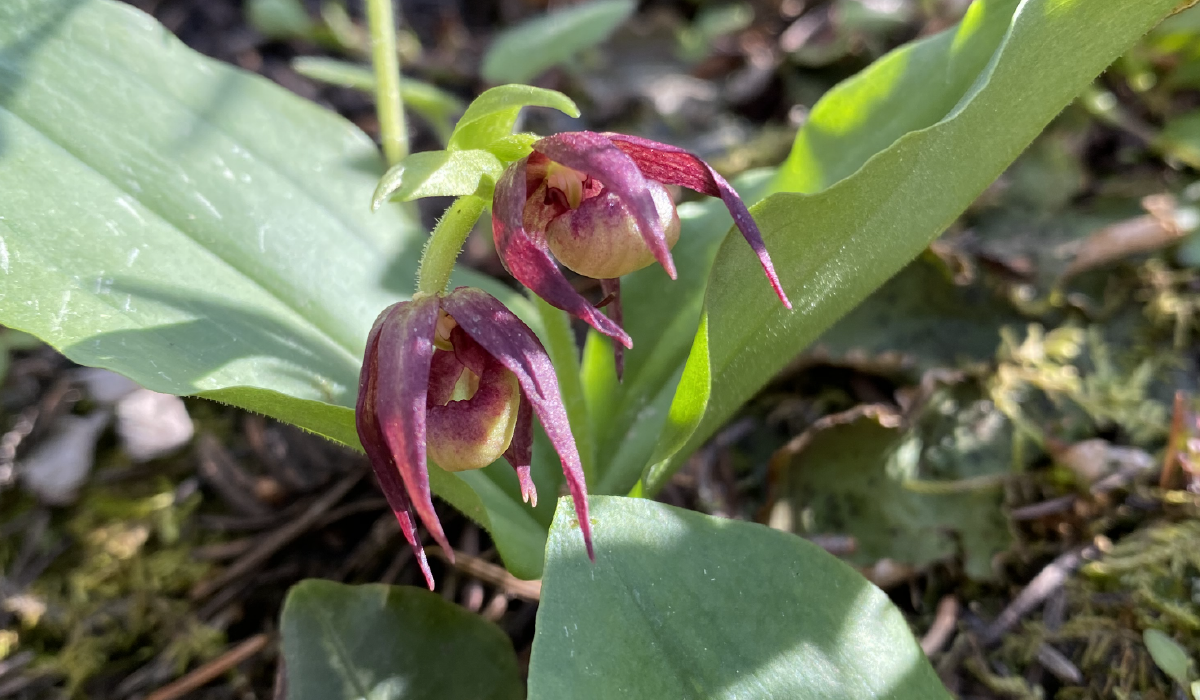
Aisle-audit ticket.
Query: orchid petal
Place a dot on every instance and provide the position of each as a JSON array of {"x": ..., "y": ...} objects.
[
  {"x": 520, "y": 450},
  {"x": 674, "y": 166},
  {"x": 529, "y": 262},
  {"x": 510, "y": 341},
  {"x": 611, "y": 289},
  {"x": 471, "y": 433},
  {"x": 404, "y": 356},
  {"x": 445, "y": 369},
  {"x": 597, "y": 156},
  {"x": 386, "y": 472}
]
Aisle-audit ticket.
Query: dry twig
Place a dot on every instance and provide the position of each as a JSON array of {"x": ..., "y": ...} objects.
[
  {"x": 277, "y": 539},
  {"x": 211, "y": 670},
  {"x": 488, "y": 572},
  {"x": 1048, "y": 580},
  {"x": 943, "y": 626}
]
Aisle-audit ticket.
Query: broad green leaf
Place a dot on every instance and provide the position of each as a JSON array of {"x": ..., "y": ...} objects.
[
  {"x": 910, "y": 88},
  {"x": 438, "y": 174},
  {"x": 834, "y": 247},
  {"x": 205, "y": 232},
  {"x": 1169, "y": 656},
  {"x": 433, "y": 104},
  {"x": 378, "y": 642},
  {"x": 683, "y": 605},
  {"x": 491, "y": 116},
  {"x": 522, "y": 53}
]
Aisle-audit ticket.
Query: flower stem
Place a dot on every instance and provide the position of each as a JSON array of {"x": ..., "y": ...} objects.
[
  {"x": 386, "y": 61},
  {"x": 447, "y": 240}
]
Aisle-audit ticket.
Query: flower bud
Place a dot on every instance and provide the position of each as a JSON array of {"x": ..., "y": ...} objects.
[
  {"x": 601, "y": 239},
  {"x": 471, "y": 406}
]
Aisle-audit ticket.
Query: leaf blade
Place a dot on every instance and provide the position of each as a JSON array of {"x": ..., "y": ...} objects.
[
  {"x": 401, "y": 643},
  {"x": 653, "y": 616},
  {"x": 836, "y": 246},
  {"x": 523, "y": 52},
  {"x": 201, "y": 230}
]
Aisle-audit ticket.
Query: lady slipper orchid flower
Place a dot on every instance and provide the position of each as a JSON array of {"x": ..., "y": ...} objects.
[
  {"x": 598, "y": 204},
  {"x": 458, "y": 378}
]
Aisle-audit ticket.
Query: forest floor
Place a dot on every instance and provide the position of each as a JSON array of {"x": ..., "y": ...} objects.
[{"x": 1040, "y": 358}]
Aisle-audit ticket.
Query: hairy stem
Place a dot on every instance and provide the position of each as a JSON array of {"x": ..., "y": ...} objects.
[
  {"x": 447, "y": 240},
  {"x": 388, "y": 105}
]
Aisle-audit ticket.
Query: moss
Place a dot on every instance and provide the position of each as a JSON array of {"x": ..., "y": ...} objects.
[
  {"x": 118, "y": 596},
  {"x": 1067, "y": 378}
]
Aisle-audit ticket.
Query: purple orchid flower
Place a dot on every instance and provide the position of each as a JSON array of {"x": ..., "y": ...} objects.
[
  {"x": 597, "y": 203},
  {"x": 457, "y": 377}
]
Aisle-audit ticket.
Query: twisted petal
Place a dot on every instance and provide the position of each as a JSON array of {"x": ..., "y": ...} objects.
[
  {"x": 511, "y": 342},
  {"x": 381, "y": 460},
  {"x": 611, "y": 288},
  {"x": 403, "y": 358},
  {"x": 595, "y": 155},
  {"x": 675, "y": 166},
  {"x": 528, "y": 260},
  {"x": 520, "y": 450}
]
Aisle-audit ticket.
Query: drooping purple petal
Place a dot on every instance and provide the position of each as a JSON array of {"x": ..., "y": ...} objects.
[
  {"x": 674, "y": 166},
  {"x": 404, "y": 355},
  {"x": 527, "y": 259},
  {"x": 593, "y": 154},
  {"x": 520, "y": 450},
  {"x": 511, "y": 342},
  {"x": 386, "y": 472},
  {"x": 611, "y": 288}
]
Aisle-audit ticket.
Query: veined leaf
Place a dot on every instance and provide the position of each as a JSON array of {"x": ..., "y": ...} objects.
[
  {"x": 378, "y": 642},
  {"x": 683, "y": 605},
  {"x": 205, "y": 232},
  {"x": 834, "y": 247}
]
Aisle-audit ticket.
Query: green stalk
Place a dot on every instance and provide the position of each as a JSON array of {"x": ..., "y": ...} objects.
[
  {"x": 437, "y": 262},
  {"x": 388, "y": 105}
]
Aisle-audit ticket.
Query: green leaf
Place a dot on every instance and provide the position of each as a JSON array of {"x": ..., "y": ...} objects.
[
  {"x": 682, "y": 605},
  {"x": 433, "y": 104},
  {"x": 1169, "y": 656},
  {"x": 378, "y": 642},
  {"x": 834, "y": 247},
  {"x": 205, "y": 232},
  {"x": 280, "y": 19},
  {"x": 912, "y": 87},
  {"x": 913, "y": 489},
  {"x": 492, "y": 115},
  {"x": 523, "y": 52},
  {"x": 438, "y": 174}
]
